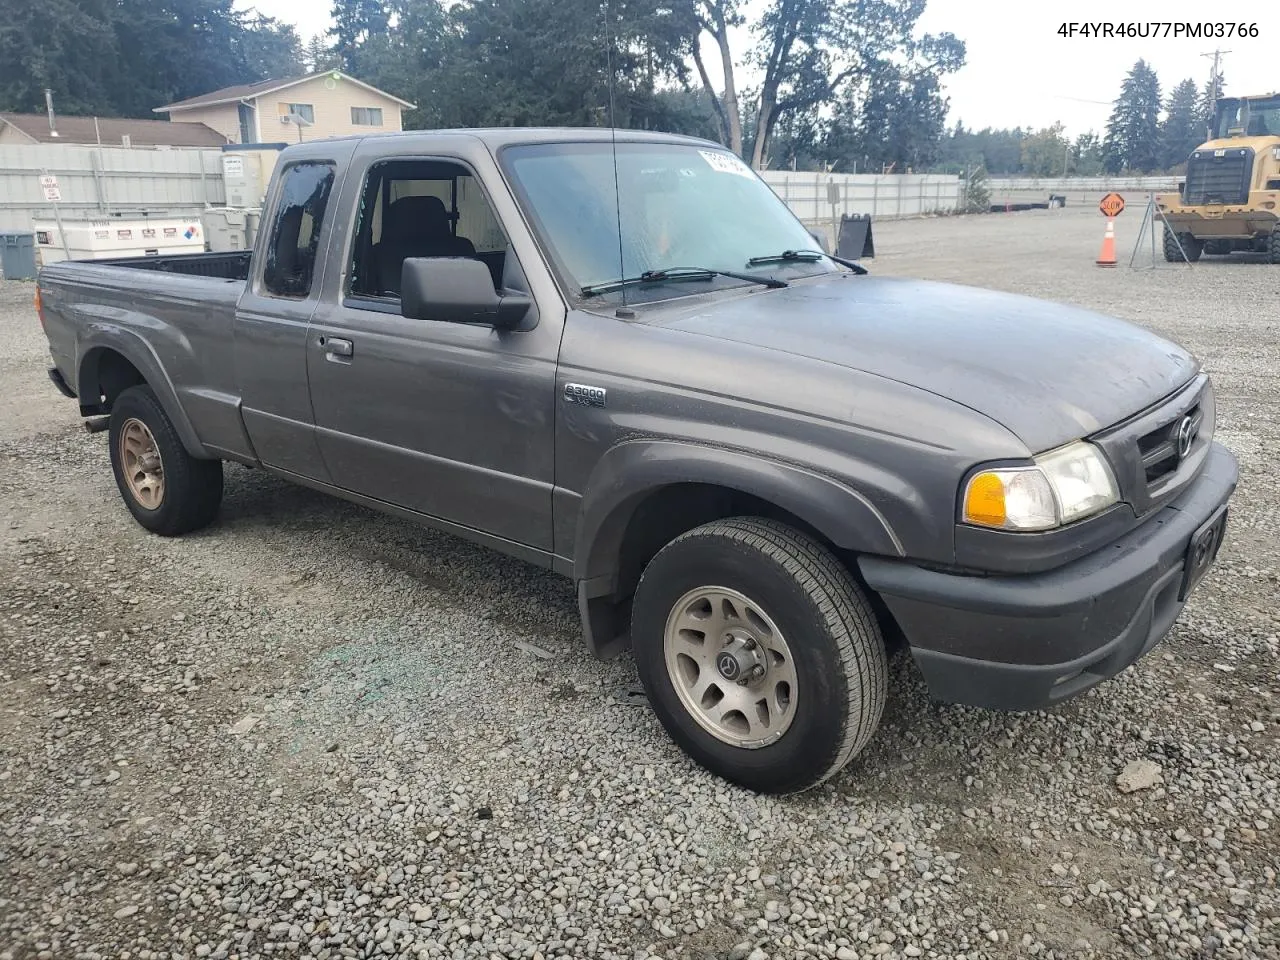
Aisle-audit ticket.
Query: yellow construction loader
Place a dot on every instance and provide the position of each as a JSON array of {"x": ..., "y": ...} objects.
[{"x": 1230, "y": 199}]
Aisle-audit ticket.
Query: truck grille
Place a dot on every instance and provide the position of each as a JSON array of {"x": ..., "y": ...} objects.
[
  {"x": 1144, "y": 451},
  {"x": 1218, "y": 176},
  {"x": 1158, "y": 449}
]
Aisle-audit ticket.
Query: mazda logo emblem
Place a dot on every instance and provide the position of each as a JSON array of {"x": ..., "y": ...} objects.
[
  {"x": 1186, "y": 436},
  {"x": 728, "y": 666}
]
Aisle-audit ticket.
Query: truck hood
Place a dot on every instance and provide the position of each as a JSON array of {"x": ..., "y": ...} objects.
[{"x": 1049, "y": 373}]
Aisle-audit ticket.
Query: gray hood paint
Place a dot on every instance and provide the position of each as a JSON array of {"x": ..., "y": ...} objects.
[{"x": 1049, "y": 373}]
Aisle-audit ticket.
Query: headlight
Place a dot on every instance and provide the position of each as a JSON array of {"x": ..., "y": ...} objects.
[{"x": 1066, "y": 484}]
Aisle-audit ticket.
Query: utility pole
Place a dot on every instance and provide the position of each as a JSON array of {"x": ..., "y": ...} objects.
[{"x": 1215, "y": 78}]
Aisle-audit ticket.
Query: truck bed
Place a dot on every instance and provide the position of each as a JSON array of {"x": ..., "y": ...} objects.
[
  {"x": 231, "y": 265},
  {"x": 180, "y": 309}
]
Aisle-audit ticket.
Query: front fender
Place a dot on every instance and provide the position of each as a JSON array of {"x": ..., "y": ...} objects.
[
  {"x": 630, "y": 471},
  {"x": 99, "y": 337}
]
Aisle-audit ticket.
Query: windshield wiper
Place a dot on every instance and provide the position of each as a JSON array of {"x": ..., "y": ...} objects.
[
  {"x": 805, "y": 256},
  {"x": 677, "y": 274}
]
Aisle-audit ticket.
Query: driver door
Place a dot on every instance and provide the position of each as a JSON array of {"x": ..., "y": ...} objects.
[{"x": 450, "y": 420}]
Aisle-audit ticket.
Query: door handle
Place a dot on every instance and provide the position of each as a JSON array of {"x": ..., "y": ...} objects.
[{"x": 337, "y": 349}]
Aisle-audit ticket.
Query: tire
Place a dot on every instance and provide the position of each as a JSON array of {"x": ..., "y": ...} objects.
[
  {"x": 166, "y": 489},
  {"x": 1190, "y": 246},
  {"x": 1273, "y": 247},
  {"x": 790, "y": 594}
]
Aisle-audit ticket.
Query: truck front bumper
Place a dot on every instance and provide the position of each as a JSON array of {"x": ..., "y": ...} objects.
[{"x": 1026, "y": 642}]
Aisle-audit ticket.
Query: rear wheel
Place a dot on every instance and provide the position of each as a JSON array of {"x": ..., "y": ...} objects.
[
  {"x": 760, "y": 654},
  {"x": 166, "y": 489},
  {"x": 1191, "y": 247}
]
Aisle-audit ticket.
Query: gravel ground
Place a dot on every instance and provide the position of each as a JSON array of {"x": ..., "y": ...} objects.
[{"x": 315, "y": 731}]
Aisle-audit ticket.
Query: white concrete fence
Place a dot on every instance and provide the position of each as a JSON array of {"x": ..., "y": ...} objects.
[
  {"x": 104, "y": 181},
  {"x": 819, "y": 199},
  {"x": 1102, "y": 185}
]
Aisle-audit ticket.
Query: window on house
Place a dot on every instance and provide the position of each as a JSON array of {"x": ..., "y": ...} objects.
[
  {"x": 295, "y": 231},
  {"x": 304, "y": 110},
  {"x": 366, "y": 116}
]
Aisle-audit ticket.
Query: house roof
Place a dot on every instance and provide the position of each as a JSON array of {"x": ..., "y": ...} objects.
[
  {"x": 250, "y": 91},
  {"x": 110, "y": 131}
]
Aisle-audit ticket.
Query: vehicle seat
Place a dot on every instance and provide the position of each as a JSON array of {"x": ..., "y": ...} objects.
[{"x": 415, "y": 227}]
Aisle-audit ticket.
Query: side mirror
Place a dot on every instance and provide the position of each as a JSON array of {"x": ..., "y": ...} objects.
[
  {"x": 820, "y": 238},
  {"x": 457, "y": 290}
]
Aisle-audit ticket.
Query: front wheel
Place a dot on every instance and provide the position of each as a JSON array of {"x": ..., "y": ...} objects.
[
  {"x": 166, "y": 489},
  {"x": 1181, "y": 247},
  {"x": 760, "y": 654},
  {"x": 1273, "y": 247}
]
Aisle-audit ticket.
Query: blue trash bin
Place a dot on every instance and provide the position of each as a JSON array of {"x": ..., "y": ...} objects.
[{"x": 17, "y": 256}]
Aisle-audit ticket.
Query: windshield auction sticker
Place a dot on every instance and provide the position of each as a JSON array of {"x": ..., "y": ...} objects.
[{"x": 725, "y": 163}]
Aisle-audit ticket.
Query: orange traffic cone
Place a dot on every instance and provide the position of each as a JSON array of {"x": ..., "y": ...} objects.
[{"x": 1107, "y": 258}]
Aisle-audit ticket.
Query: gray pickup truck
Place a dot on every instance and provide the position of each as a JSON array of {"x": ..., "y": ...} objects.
[{"x": 627, "y": 361}]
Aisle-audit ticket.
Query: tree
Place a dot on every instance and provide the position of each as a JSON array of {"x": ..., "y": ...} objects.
[
  {"x": 809, "y": 49},
  {"x": 1213, "y": 89},
  {"x": 898, "y": 115},
  {"x": 318, "y": 55},
  {"x": 68, "y": 46},
  {"x": 715, "y": 18},
  {"x": 356, "y": 23},
  {"x": 1132, "y": 141},
  {"x": 1181, "y": 131},
  {"x": 977, "y": 194},
  {"x": 1086, "y": 154},
  {"x": 1046, "y": 153},
  {"x": 126, "y": 57}
]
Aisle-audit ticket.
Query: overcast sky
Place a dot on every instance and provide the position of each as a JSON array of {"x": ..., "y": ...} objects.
[{"x": 1021, "y": 72}]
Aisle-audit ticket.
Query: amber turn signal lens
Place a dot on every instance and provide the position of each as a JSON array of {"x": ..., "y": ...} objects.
[{"x": 984, "y": 500}]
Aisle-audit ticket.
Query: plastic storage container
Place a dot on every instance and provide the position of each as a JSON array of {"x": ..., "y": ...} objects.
[{"x": 18, "y": 256}]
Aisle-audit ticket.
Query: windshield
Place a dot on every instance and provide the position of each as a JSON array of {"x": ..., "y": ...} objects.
[
  {"x": 681, "y": 206},
  {"x": 1247, "y": 118}
]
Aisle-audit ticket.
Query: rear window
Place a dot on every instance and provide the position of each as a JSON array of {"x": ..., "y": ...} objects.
[{"x": 294, "y": 236}]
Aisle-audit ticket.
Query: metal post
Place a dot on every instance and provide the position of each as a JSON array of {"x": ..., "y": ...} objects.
[
  {"x": 95, "y": 161},
  {"x": 57, "y": 218},
  {"x": 1151, "y": 209}
]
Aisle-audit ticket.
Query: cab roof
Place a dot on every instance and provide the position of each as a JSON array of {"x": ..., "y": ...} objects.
[{"x": 497, "y": 137}]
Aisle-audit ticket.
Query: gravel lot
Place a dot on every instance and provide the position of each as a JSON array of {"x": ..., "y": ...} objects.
[{"x": 314, "y": 731}]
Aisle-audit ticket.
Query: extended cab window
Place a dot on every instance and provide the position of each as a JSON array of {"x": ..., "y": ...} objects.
[
  {"x": 421, "y": 208},
  {"x": 295, "y": 231}
]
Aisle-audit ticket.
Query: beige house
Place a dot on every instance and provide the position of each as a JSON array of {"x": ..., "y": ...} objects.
[{"x": 329, "y": 104}]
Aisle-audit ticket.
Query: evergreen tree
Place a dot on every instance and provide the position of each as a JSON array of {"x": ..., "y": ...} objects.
[
  {"x": 1181, "y": 131},
  {"x": 1212, "y": 89},
  {"x": 1132, "y": 140},
  {"x": 126, "y": 57},
  {"x": 977, "y": 195},
  {"x": 355, "y": 24},
  {"x": 318, "y": 55}
]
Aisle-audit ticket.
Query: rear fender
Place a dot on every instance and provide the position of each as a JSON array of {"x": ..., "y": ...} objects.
[{"x": 99, "y": 339}]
